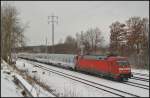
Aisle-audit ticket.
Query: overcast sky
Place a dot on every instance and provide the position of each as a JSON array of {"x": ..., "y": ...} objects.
[{"x": 75, "y": 16}]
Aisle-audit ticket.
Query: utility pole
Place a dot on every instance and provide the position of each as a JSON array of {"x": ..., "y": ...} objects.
[{"x": 53, "y": 21}]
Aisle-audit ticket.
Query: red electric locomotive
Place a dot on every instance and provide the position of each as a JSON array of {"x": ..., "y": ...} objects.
[{"x": 115, "y": 67}]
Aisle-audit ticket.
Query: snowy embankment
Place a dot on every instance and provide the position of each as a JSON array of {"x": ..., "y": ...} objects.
[
  {"x": 10, "y": 89},
  {"x": 66, "y": 87},
  {"x": 26, "y": 85}
]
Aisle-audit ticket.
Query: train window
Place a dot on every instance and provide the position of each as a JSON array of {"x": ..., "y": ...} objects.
[
  {"x": 123, "y": 63},
  {"x": 90, "y": 57},
  {"x": 95, "y": 57}
]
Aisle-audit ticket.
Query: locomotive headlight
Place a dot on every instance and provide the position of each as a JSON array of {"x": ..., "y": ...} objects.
[{"x": 121, "y": 69}]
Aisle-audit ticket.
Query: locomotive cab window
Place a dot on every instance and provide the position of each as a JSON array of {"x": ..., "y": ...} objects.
[{"x": 123, "y": 63}]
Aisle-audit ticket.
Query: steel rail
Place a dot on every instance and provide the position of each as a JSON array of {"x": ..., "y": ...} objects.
[
  {"x": 147, "y": 75},
  {"x": 141, "y": 79},
  {"x": 133, "y": 84},
  {"x": 138, "y": 84}
]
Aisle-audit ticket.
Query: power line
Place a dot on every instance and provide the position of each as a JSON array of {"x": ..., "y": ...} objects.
[{"x": 54, "y": 19}]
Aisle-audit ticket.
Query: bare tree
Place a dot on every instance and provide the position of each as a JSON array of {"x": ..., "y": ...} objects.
[
  {"x": 131, "y": 37},
  {"x": 117, "y": 37},
  {"x": 11, "y": 30},
  {"x": 91, "y": 39},
  {"x": 82, "y": 41},
  {"x": 134, "y": 33},
  {"x": 70, "y": 40},
  {"x": 69, "y": 45},
  {"x": 138, "y": 31}
]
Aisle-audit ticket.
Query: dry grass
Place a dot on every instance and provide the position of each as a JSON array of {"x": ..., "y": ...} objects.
[
  {"x": 70, "y": 92},
  {"x": 34, "y": 80}
]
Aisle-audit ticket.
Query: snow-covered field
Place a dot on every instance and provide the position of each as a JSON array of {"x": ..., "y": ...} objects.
[
  {"x": 10, "y": 89},
  {"x": 66, "y": 87}
]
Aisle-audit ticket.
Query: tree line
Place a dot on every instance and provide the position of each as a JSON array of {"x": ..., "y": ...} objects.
[
  {"x": 89, "y": 40},
  {"x": 131, "y": 39}
]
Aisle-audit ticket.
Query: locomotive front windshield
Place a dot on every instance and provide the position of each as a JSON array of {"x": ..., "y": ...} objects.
[{"x": 123, "y": 63}]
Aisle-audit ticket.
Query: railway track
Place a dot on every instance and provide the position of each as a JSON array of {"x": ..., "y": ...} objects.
[
  {"x": 140, "y": 74},
  {"x": 139, "y": 78},
  {"x": 131, "y": 83},
  {"x": 89, "y": 83},
  {"x": 137, "y": 85},
  {"x": 127, "y": 83}
]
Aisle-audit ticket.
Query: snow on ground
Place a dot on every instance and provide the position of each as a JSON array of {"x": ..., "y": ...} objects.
[
  {"x": 34, "y": 89},
  {"x": 143, "y": 71},
  {"x": 138, "y": 81},
  {"x": 66, "y": 87},
  {"x": 41, "y": 92},
  {"x": 9, "y": 89},
  {"x": 141, "y": 76}
]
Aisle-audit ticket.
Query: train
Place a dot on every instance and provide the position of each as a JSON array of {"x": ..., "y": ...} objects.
[{"x": 114, "y": 67}]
